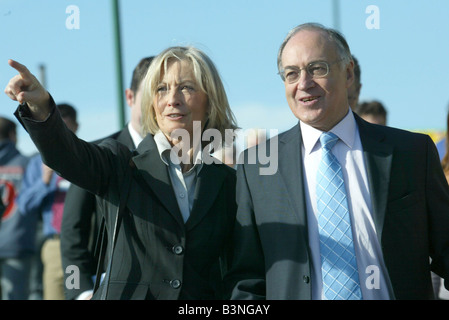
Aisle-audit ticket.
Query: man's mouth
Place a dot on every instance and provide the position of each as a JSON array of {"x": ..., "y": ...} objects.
[{"x": 309, "y": 99}]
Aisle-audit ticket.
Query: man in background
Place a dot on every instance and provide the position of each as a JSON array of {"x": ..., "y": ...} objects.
[
  {"x": 17, "y": 229},
  {"x": 372, "y": 111},
  {"x": 356, "y": 87}
]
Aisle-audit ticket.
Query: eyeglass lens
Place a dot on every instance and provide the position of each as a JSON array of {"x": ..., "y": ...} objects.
[{"x": 314, "y": 69}]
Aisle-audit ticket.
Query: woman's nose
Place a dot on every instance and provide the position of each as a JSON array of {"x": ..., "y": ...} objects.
[{"x": 174, "y": 97}]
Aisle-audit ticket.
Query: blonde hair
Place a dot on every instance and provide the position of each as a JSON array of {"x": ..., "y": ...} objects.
[{"x": 220, "y": 116}]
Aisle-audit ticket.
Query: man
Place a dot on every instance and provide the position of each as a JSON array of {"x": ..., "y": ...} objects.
[
  {"x": 355, "y": 88},
  {"x": 43, "y": 193},
  {"x": 17, "y": 230},
  {"x": 397, "y": 199},
  {"x": 372, "y": 111},
  {"x": 80, "y": 223}
]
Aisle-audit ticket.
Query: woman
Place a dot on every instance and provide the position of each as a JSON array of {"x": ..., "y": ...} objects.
[{"x": 180, "y": 208}]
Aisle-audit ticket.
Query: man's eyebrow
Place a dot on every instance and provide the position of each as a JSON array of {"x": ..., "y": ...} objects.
[
  {"x": 291, "y": 67},
  {"x": 313, "y": 61}
]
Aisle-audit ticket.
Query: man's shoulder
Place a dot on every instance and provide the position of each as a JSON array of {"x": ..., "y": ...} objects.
[
  {"x": 400, "y": 140},
  {"x": 112, "y": 136},
  {"x": 398, "y": 134}
]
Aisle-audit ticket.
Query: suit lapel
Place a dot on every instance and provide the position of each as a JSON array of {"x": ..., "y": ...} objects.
[
  {"x": 290, "y": 169},
  {"x": 378, "y": 156},
  {"x": 125, "y": 138},
  {"x": 155, "y": 173},
  {"x": 208, "y": 184}
]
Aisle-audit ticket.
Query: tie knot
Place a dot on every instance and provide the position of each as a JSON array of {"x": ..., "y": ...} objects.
[{"x": 328, "y": 140}]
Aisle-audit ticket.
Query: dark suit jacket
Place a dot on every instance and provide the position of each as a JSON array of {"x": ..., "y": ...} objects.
[
  {"x": 410, "y": 199},
  {"x": 157, "y": 255},
  {"x": 79, "y": 229}
]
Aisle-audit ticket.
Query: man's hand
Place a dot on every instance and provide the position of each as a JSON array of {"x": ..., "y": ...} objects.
[{"x": 24, "y": 87}]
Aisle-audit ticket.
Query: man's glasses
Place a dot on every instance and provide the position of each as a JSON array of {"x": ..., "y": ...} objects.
[{"x": 316, "y": 69}]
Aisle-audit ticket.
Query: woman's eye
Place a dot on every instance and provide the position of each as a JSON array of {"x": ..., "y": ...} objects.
[
  {"x": 187, "y": 88},
  {"x": 161, "y": 89}
]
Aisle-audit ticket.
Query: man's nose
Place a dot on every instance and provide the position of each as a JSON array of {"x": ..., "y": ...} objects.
[{"x": 305, "y": 81}]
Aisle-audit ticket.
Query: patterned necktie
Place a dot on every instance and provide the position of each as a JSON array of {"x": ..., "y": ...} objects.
[{"x": 338, "y": 261}]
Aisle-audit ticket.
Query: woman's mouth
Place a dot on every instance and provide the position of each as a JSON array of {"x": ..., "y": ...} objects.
[{"x": 175, "y": 116}]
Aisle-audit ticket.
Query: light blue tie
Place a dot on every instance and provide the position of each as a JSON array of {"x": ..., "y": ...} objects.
[{"x": 338, "y": 261}]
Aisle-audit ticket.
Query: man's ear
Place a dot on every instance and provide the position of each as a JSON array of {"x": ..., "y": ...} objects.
[
  {"x": 129, "y": 95},
  {"x": 350, "y": 76}
]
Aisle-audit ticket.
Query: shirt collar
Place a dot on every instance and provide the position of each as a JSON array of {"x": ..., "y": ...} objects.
[
  {"x": 135, "y": 136},
  {"x": 164, "y": 148},
  {"x": 345, "y": 130}
]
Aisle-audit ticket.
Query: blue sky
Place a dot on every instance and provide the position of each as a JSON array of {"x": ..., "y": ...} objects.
[{"x": 404, "y": 63}]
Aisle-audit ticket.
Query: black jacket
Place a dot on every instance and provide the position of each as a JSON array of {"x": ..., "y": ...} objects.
[{"x": 79, "y": 230}]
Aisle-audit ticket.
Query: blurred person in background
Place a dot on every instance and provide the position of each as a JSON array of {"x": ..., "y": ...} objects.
[
  {"x": 355, "y": 88},
  {"x": 17, "y": 228},
  {"x": 372, "y": 111}
]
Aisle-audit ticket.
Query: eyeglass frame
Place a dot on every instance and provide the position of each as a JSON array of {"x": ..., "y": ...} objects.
[{"x": 281, "y": 73}]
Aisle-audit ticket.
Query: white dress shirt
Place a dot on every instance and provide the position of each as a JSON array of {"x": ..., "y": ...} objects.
[
  {"x": 135, "y": 136},
  {"x": 349, "y": 152}
]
